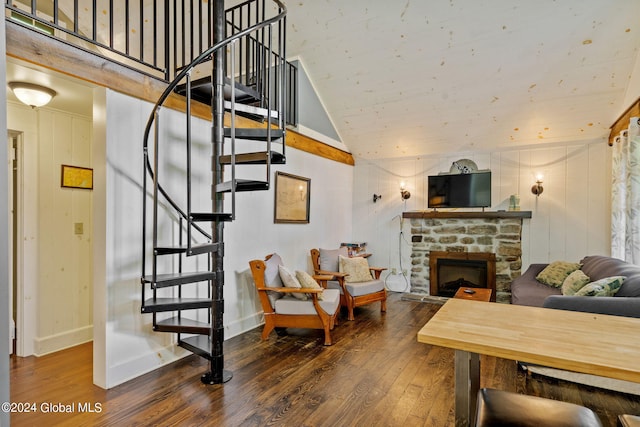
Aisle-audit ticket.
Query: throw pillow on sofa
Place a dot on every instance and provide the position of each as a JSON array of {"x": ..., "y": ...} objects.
[
  {"x": 606, "y": 287},
  {"x": 555, "y": 273},
  {"x": 574, "y": 282}
]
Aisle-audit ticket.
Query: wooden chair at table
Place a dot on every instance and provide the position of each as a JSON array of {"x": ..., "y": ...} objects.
[
  {"x": 352, "y": 294},
  {"x": 282, "y": 310}
]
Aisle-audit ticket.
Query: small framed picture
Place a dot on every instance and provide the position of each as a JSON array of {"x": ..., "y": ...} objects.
[
  {"x": 76, "y": 177},
  {"x": 292, "y": 202}
]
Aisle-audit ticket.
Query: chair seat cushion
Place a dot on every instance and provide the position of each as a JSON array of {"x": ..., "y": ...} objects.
[
  {"x": 289, "y": 305},
  {"x": 360, "y": 288},
  {"x": 364, "y": 288}
]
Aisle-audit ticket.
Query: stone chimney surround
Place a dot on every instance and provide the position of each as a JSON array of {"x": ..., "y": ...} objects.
[{"x": 452, "y": 231}]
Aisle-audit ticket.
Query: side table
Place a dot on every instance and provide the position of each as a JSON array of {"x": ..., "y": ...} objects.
[{"x": 480, "y": 294}]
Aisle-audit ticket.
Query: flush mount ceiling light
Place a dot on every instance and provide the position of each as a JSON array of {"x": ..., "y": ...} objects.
[{"x": 32, "y": 94}]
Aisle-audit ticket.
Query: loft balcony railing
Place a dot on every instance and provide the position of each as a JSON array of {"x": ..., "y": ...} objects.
[{"x": 156, "y": 37}]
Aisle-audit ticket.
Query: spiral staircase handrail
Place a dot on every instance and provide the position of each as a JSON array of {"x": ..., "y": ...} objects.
[{"x": 174, "y": 83}]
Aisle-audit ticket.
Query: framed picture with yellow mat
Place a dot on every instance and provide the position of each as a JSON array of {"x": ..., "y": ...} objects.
[{"x": 76, "y": 177}]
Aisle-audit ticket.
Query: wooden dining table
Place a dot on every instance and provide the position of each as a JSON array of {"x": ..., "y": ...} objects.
[{"x": 597, "y": 344}]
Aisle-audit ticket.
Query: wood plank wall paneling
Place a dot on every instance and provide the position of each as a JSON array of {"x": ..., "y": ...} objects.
[
  {"x": 576, "y": 194},
  {"x": 36, "y": 48},
  {"x": 623, "y": 121}
]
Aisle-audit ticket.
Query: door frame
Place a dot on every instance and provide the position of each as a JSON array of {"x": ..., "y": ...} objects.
[
  {"x": 11, "y": 156},
  {"x": 25, "y": 290}
]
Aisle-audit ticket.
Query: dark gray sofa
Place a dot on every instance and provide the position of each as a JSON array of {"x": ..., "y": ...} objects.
[{"x": 526, "y": 290}]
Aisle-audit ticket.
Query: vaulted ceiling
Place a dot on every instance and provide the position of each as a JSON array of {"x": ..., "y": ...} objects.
[
  {"x": 406, "y": 78},
  {"x": 403, "y": 78}
]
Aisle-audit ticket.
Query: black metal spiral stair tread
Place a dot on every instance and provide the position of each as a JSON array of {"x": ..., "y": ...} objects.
[
  {"x": 211, "y": 216},
  {"x": 173, "y": 279},
  {"x": 182, "y": 325},
  {"x": 242, "y": 185},
  {"x": 183, "y": 249},
  {"x": 174, "y": 304},
  {"x": 201, "y": 91},
  {"x": 251, "y": 111},
  {"x": 255, "y": 134},
  {"x": 199, "y": 344},
  {"x": 256, "y": 158}
]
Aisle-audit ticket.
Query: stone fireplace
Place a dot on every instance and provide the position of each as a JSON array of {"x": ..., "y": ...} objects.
[
  {"x": 448, "y": 271},
  {"x": 496, "y": 233}
]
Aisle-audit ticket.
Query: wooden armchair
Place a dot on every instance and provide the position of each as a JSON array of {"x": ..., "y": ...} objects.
[
  {"x": 355, "y": 292},
  {"x": 282, "y": 310}
]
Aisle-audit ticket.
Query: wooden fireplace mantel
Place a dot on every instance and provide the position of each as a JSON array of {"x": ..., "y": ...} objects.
[{"x": 466, "y": 214}]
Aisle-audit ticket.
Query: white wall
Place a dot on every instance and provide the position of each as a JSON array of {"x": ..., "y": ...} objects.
[
  {"x": 570, "y": 219},
  {"x": 65, "y": 258},
  {"x": 254, "y": 235},
  {"x": 4, "y": 243},
  {"x": 124, "y": 344},
  {"x": 57, "y": 263}
]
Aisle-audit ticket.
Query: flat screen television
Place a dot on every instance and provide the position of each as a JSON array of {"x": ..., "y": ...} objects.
[{"x": 468, "y": 190}]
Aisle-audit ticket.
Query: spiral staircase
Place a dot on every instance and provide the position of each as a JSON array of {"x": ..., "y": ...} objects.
[{"x": 183, "y": 245}]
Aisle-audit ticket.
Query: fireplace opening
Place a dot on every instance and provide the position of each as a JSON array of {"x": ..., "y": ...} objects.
[
  {"x": 454, "y": 273},
  {"x": 448, "y": 271}
]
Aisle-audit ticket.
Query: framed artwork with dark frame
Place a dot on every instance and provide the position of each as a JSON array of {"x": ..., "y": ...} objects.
[
  {"x": 76, "y": 177},
  {"x": 292, "y": 199}
]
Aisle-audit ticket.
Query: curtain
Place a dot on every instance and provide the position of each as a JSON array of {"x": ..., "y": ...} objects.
[{"x": 625, "y": 195}]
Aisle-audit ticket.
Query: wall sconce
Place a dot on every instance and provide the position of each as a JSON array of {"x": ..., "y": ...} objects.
[
  {"x": 31, "y": 94},
  {"x": 376, "y": 197},
  {"x": 403, "y": 192},
  {"x": 537, "y": 188}
]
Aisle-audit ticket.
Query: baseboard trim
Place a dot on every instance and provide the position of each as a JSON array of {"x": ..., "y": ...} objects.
[
  {"x": 133, "y": 368},
  {"x": 63, "y": 340},
  {"x": 243, "y": 325},
  {"x": 138, "y": 366}
]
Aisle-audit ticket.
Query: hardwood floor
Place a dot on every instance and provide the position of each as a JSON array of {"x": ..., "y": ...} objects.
[{"x": 376, "y": 373}]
